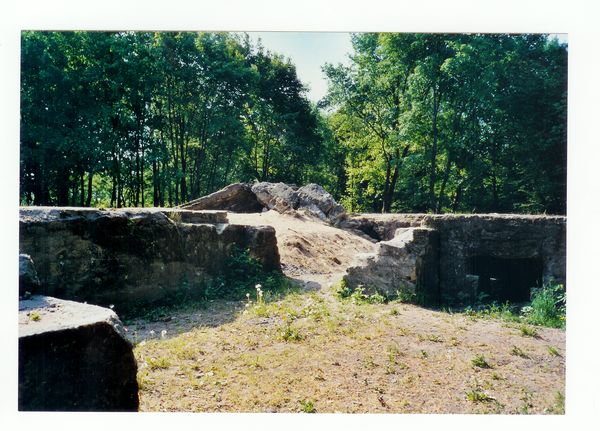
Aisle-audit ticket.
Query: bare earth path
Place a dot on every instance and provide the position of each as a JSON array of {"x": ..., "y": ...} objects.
[{"x": 310, "y": 350}]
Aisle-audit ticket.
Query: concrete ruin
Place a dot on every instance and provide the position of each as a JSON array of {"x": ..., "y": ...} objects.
[
  {"x": 455, "y": 258},
  {"x": 118, "y": 256}
]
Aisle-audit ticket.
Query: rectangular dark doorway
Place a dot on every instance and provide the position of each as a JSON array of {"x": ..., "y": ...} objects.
[{"x": 507, "y": 279}]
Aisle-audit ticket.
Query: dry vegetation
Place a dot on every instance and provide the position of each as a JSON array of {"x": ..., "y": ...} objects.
[{"x": 309, "y": 351}]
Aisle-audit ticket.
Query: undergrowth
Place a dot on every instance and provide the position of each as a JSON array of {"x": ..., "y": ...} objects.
[
  {"x": 358, "y": 295},
  {"x": 237, "y": 282}
]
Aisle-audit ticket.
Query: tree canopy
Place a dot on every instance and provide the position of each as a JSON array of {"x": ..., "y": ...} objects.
[
  {"x": 416, "y": 123},
  {"x": 452, "y": 122}
]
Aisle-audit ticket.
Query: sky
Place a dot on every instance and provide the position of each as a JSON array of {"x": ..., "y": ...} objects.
[{"x": 309, "y": 51}]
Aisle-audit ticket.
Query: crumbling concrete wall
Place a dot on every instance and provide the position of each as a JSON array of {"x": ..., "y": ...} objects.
[
  {"x": 456, "y": 258},
  {"x": 117, "y": 256}
]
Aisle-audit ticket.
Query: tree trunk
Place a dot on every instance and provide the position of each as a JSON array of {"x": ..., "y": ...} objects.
[{"x": 89, "y": 193}]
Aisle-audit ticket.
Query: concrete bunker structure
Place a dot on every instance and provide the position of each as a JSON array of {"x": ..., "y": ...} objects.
[{"x": 455, "y": 258}]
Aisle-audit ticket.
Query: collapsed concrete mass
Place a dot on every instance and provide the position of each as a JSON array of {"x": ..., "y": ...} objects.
[
  {"x": 456, "y": 258},
  {"x": 240, "y": 197}
]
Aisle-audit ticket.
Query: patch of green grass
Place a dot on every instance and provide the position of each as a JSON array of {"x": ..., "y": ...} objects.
[{"x": 553, "y": 351}]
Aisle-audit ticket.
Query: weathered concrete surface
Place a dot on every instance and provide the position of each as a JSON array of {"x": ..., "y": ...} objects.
[
  {"x": 28, "y": 279},
  {"x": 236, "y": 197},
  {"x": 380, "y": 227},
  {"x": 74, "y": 357},
  {"x": 458, "y": 257},
  {"x": 399, "y": 262},
  {"x": 118, "y": 256}
]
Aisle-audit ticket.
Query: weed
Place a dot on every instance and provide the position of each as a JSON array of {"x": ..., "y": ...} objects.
[
  {"x": 529, "y": 332},
  {"x": 553, "y": 351},
  {"x": 389, "y": 369},
  {"x": 394, "y": 349},
  {"x": 369, "y": 363},
  {"x": 560, "y": 403},
  {"x": 307, "y": 406},
  {"x": 288, "y": 333},
  {"x": 35, "y": 317},
  {"x": 435, "y": 338},
  {"x": 516, "y": 351},
  {"x": 155, "y": 364},
  {"x": 548, "y": 306},
  {"x": 479, "y": 361},
  {"x": 424, "y": 354},
  {"x": 394, "y": 311},
  {"x": 477, "y": 395},
  {"x": 527, "y": 399}
]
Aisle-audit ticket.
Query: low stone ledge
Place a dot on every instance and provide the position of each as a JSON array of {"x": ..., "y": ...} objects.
[{"x": 74, "y": 357}]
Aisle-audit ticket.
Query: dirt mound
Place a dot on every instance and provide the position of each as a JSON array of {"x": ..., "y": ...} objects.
[{"x": 307, "y": 245}]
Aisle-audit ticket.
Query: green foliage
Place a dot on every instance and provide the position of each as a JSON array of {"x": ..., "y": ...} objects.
[
  {"x": 160, "y": 118},
  {"x": 435, "y": 123},
  {"x": 417, "y": 123},
  {"x": 548, "y": 306}
]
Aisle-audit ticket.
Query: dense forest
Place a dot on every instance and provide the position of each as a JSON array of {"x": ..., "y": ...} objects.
[{"x": 417, "y": 122}]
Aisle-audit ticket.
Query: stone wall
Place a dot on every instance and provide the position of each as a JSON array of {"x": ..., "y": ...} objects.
[
  {"x": 455, "y": 258},
  {"x": 114, "y": 257}
]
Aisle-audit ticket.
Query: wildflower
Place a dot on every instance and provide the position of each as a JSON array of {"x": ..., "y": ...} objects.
[
  {"x": 258, "y": 287},
  {"x": 163, "y": 333},
  {"x": 152, "y": 334},
  {"x": 247, "y": 295},
  {"x": 143, "y": 343}
]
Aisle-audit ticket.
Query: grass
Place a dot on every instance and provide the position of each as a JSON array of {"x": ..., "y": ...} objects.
[{"x": 293, "y": 352}]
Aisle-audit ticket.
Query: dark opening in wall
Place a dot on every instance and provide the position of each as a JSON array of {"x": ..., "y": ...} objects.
[{"x": 507, "y": 279}]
